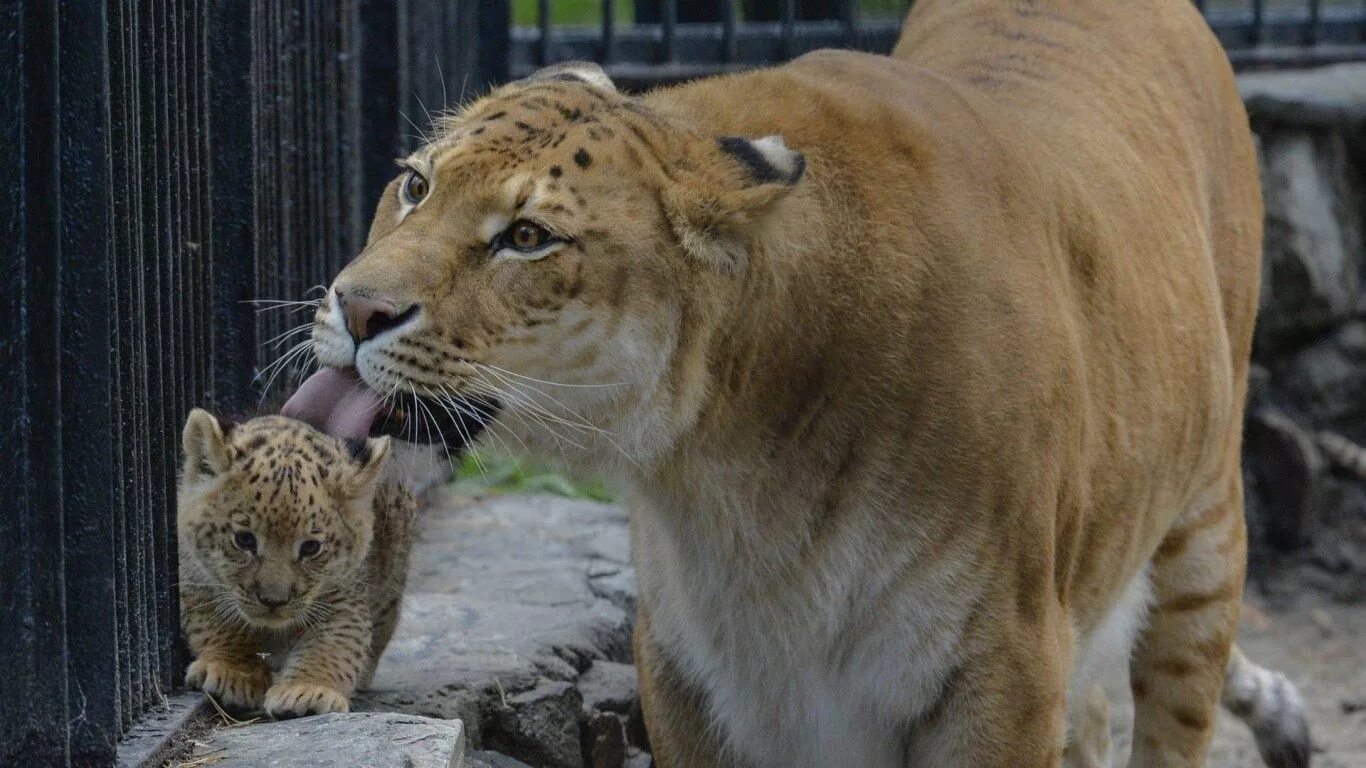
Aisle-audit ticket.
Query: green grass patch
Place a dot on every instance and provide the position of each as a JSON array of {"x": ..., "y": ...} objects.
[{"x": 483, "y": 473}]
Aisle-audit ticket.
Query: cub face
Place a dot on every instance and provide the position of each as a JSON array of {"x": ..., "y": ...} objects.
[
  {"x": 275, "y": 513},
  {"x": 555, "y": 230}
]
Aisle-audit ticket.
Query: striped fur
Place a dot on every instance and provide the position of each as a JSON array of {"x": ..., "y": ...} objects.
[{"x": 284, "y": 484}]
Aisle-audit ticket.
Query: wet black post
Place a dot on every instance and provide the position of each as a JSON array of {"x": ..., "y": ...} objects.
[
  {"x": 231, "y": 248},
  {"x": 33, "y": 688},
  {"x": 85, "y": 423}
]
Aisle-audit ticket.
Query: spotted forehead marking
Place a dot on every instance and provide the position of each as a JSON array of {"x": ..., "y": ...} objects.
[{"x": 508, "y": 131}]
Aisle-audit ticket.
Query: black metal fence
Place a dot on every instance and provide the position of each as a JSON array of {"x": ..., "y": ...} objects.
[{"x": 168, "y": 160}]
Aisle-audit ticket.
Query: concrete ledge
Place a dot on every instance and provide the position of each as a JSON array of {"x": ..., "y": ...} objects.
[
  {"x": 352, "y": 740},
  {"x": 165, "y": 733}
]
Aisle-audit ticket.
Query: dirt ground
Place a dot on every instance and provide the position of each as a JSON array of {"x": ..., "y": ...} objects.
[{"x": 1320, "y": 645}]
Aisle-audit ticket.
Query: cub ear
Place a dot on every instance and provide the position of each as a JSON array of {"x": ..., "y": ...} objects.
[
  {"x": 367, "y": 460},
  {"x": 575, "y": 71},
  {"x": 207, "y": 452},
  {"x": 713, "y": 209}
]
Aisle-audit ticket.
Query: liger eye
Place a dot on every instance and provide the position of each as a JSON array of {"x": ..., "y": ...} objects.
[
  {"x": 245, "y": 541},
  {"x": 414, "y": 187},
  {"x": 310, "y": 548},
  {"x": 527, "y": 235}
]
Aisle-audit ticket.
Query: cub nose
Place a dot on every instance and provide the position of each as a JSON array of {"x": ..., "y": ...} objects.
[
  {"x": 272, "y": 598},
  {"x": 366, "y": 317}
]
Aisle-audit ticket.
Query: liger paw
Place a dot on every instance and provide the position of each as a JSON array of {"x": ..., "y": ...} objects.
[
  {"x": 298, "y": 699},
  {"x": 234, "y": 686}
]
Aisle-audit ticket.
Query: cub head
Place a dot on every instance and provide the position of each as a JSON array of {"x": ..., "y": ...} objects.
[
  {"x": 276, "y": 513},
  {"x": 555, "y": 236}
]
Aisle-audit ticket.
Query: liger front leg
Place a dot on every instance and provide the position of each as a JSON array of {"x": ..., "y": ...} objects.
[
  {"x": 1005, "y": 706},
  {"x": 675, "y": 712},
  {"x": 325, "y": 664}
]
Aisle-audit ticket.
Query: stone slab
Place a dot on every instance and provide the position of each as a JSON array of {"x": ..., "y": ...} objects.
[{"x": 350, "y": 740}]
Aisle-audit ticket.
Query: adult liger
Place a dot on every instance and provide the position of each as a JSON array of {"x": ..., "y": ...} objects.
[{"x": 925, "y": 372}]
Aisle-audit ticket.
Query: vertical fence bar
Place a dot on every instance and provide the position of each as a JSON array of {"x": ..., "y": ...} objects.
[
  {"x": 376, "y": 82},
  {"x": 33, "y": 688},
  {"x": 669, "y": 18},
  {"x": 1258, "y": 22},
  {"x": 609, "y": 30},
  {"x": 848, "y": 13},
  {"x": 728, "y": 27},
  {"x": 230, "y": 239},
  {"x": 789, "y": 21},
  {"x": 118, "y": 248},
  {"x": 492, "y": 43},
  {"x": 543, "y": 40},
  {"x": 85, "y": 424},
  {"x": 1311, "y": 26}
]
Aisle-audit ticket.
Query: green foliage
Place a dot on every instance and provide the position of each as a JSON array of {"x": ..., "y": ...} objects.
[
  {"x": 524, "y": 12},
  {"x": 482, "y": 473}
]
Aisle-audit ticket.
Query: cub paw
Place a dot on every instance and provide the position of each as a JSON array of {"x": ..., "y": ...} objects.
[
  {"x": 298, "y": 699},
  {"x": 233, "y": 685}
]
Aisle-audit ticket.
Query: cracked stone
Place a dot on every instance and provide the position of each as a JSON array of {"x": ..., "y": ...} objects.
[{"x": 540, "y": 726}]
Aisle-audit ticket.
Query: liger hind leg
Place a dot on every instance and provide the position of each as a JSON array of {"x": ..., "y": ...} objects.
[
  {"x": 1177, "y": 672},
  {"x": 1088, "y": 743}
]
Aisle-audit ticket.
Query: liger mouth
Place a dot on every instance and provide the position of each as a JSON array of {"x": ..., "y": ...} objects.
[{"x": 339, "y": 402}]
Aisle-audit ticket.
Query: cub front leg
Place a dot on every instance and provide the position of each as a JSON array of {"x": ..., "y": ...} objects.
[
  {"x": 325, "y": 664},
  {"x": 227, "y": 663},
  {"x": 382, "y": 631}
]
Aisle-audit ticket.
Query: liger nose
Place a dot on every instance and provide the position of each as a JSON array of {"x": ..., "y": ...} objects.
[{"x": 366, "y": 316}]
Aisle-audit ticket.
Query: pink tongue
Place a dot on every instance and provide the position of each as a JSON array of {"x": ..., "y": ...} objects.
[{"x": 336, "y": 401}]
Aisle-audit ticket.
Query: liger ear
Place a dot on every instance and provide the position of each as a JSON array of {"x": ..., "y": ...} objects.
[
  {"x": 575, "y": 71},
  {"x": 207, "y": 452},
  {"x": 713, "y": 209},
  {"x": 367, "y": 457}
]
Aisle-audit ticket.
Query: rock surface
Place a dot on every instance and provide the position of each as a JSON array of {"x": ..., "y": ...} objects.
[
  {"x": 352, "y": 740},
  {"x": 1310, "y": 345},
  {"x": 515, "y": 607}
]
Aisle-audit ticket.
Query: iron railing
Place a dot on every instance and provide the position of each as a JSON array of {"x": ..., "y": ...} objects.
[
  {"x": 169, "y": 160},
  {"x": 679, "y": 41}
]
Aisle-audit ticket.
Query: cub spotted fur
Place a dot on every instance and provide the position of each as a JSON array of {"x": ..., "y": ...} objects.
[
  {"x": 293, "y": 557},
  {"x": 925, "y": 373}
]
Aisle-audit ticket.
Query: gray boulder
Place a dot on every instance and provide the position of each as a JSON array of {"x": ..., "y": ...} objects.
[{"x": 1311, "y": 274}]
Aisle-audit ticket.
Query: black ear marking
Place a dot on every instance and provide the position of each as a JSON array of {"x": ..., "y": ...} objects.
[
  {"x": 768, "y": 160},
  {"x": 359, "y": 449}
]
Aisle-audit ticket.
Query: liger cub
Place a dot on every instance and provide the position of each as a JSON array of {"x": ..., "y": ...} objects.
[{"x": 293, "y": 557}]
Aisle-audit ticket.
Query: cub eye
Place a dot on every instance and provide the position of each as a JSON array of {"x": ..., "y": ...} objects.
[
  {"x": 310, "y": 548},
  {"x": 414, "y": 188},
  {"x": 525, "y": 235},
  {"x": 245, "y": 541}
]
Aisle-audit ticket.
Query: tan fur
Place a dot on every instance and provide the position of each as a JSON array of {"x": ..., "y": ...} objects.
[
  {"x": 901, "y": 430},
  {"x": 285, "y": 484}
]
